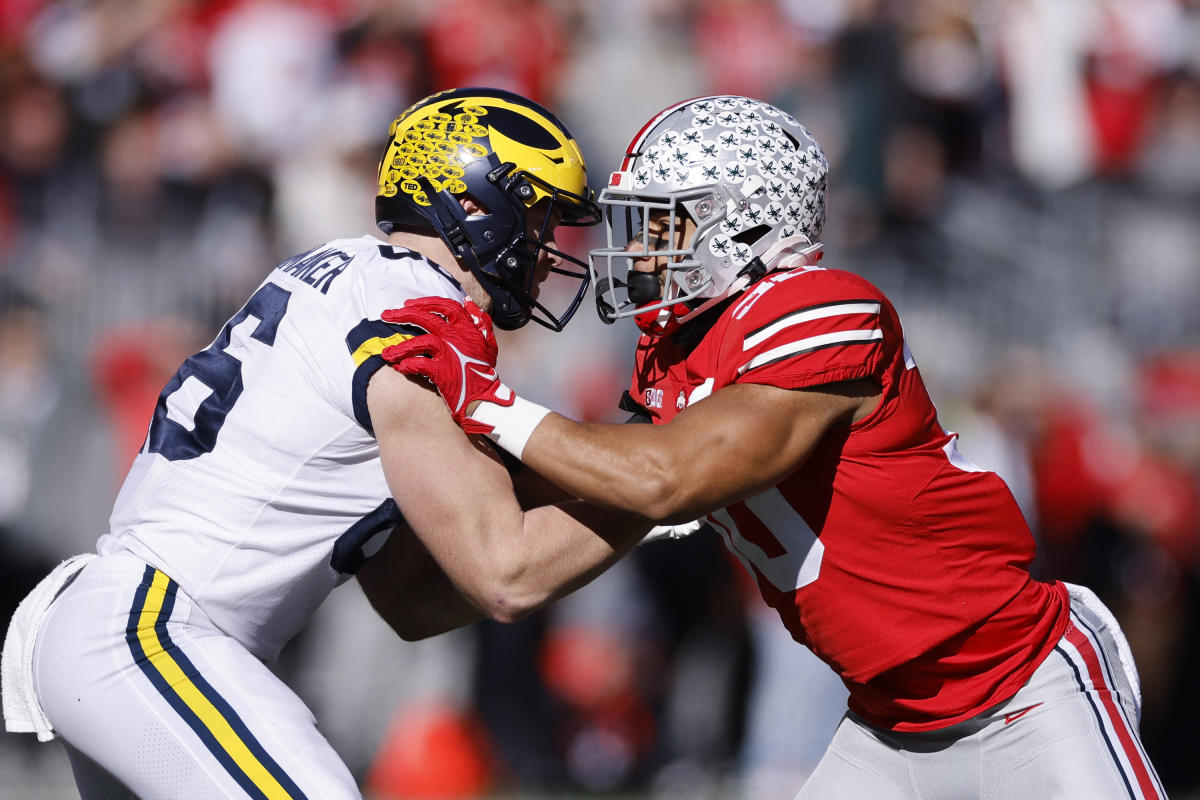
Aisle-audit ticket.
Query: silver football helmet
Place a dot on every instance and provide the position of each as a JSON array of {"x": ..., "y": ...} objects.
[{"x": 747, "y": 175}]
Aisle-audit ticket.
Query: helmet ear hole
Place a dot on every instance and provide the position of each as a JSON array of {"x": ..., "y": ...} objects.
[
  {"x": 791, "y": 138},
  {"x": 473, "y": 205},
  {"x": 751, "y": 235}
]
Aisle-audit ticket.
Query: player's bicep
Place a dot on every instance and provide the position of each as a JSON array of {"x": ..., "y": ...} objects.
[
  {"x": 448, "y": 486},
  {"x": 745, "y": 438}
]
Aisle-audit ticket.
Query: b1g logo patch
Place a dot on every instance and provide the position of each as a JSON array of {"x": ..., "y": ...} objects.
[{"x": 654, "y": 398}]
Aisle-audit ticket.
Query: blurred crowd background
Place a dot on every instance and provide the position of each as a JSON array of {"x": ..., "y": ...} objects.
[{"x": 1022, "y": 177}]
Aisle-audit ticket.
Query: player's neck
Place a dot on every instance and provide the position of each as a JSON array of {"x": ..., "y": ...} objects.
[
  {"x": 427, "y": 244},
  {"x": 694, "y": 331},
  {"x": 434, "y": 249}
]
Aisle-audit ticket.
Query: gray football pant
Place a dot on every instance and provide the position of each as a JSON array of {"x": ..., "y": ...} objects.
[{"x": 1070, "y": 732}]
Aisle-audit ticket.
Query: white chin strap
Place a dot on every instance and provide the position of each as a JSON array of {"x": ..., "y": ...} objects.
[{"x": 792, "y": 252}]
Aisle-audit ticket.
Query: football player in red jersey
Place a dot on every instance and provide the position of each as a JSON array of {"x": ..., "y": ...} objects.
[{"x": 790, "y": 414}]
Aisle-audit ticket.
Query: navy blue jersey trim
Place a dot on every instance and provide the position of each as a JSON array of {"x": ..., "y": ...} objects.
[
  {"x": 360, "y": 338},
  {"x": 369, "y": 329},
  {"x": 358, "y": 391},
  {"x": 348, "y": 554}
]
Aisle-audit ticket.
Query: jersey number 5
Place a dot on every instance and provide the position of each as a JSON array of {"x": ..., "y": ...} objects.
[{"x": 193, "y": 406}]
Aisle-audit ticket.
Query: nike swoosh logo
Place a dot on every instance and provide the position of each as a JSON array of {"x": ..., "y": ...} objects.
[
  {"x": 482, "y": 370},
  {"x": 466, "y": 366},
  {"x": 1016, "y": 715}
]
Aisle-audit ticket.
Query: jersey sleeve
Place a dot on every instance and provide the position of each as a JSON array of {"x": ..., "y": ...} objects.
[
  {"x": 366, "y": 342},
  {"x": 388, "y": 279},
  {"x": 806, "y": 328}
]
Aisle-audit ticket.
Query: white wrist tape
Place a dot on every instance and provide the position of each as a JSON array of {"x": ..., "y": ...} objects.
[
  {"x": 511, "y": 425},
  {"x": 673, "y": 531}
]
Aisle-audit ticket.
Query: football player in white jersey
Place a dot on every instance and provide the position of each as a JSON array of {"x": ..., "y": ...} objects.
[
  {"x": 789, "y": 412},
  {"x": 282, "y": 460}
]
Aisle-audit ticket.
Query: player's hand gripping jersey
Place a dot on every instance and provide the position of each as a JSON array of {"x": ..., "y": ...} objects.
[
  {"x": 909, "y": 573},
  {"x": 259, "y": 487}
]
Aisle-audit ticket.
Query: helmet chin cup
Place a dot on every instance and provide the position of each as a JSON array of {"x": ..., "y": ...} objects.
[
  {"x": 507, "y": 280},
  {"x": 643, "y": 287}
]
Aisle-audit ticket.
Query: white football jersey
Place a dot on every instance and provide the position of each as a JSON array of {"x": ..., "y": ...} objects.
[{"x": 259, "y": 487}]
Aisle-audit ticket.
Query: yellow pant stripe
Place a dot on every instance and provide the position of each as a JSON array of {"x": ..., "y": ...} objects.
[{"x": 177, "y": 679}]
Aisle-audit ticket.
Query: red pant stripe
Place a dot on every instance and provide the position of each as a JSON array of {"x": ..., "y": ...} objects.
[{"x": 1087, "y": 651}]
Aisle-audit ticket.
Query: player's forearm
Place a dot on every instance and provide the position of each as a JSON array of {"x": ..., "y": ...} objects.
[
  {"x": 459, "y": 500},
  {"x": 607, "y": 465},
  {"x": 631, "y": 468},
  {"x": 557, "y": 550},
  {"x": 411, "y": 592},
  {"x": 732, "y": 445},
  {"x": 416, "y": 615},
  {"x": 533, "y": 489}
]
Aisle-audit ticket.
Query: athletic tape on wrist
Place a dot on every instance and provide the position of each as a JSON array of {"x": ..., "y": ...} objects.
[{"x": 511, "y": 425}]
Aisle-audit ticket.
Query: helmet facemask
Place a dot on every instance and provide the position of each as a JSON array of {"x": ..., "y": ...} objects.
[
  {"x": 690, "y": 281},
  {"x": 502, "y": 243}
]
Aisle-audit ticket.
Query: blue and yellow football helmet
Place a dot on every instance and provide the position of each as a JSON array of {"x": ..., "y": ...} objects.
[{"x": 507, "y": 154}]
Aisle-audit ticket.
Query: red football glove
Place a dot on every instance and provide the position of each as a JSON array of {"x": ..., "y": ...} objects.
[{"x": 458, "y": 355}]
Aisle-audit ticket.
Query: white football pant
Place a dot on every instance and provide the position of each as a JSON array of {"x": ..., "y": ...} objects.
[{"x": 153, "y": 701}]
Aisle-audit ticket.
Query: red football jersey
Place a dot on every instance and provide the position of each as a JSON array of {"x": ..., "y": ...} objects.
[{"x": 901, "y": 564}]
